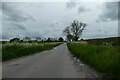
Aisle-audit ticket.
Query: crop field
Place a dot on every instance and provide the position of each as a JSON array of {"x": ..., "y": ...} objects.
[
  {"x": 14, "y": 50},
  {"x": 103, "y": 58},
  {"x": 112, "y": 41}
]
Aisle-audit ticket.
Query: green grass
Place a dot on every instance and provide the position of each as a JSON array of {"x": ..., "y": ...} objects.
[
  {"x": 14, "y": 50},
  {"x": 0, "y": 52},
  {"x": 104, "y": 58}
]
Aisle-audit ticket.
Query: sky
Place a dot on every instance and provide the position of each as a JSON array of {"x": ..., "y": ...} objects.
[{"x": 48, "y": 19}]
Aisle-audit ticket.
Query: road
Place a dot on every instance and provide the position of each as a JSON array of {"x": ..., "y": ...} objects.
[{"x": 55, "y": 63}]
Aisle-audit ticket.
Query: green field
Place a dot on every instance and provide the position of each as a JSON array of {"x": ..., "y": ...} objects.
[
  {"x": 103, "y": 58},
  {"x": 0, "y": 52},
  {"x": 14, "y": 50}
]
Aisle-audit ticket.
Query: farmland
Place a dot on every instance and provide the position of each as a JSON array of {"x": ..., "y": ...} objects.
[
  {"x": 102, "y": 57},
  {"x": 15, "y": 49},
  {"x": 111, "y": 40}
]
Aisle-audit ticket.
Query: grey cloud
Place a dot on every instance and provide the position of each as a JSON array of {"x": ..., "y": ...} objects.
[
  {"x": 13, "y": 14},
  {"x": 55, "y": 24},
  {"x": 31, "y": 17},
  {"x": 110, "y": 13},
  {"x": 43, "y": 25},
  {"x": 15, "y": 19},
  {"x": 18, "y": 26},
  {"x": 52, "y": 25},
  {"x": 119, "y": 10},
  {"x": 82, "y": 9},
  {"x": 21, "y": 34},
  {"x": 70, "y": 4},
  {"x": 32, "y": 35},
  {"x": 0, "y": 5},
  {"x": 5, "y": 36}
]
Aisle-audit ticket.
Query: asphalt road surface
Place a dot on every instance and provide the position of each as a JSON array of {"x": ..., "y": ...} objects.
[{"x": 55, "y": 63}]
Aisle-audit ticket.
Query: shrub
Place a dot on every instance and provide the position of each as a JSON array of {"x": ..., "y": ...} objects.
[{"x": 14, "y": 50}]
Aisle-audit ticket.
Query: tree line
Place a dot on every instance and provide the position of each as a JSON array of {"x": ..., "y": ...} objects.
[{"x": 38, "y": 39}]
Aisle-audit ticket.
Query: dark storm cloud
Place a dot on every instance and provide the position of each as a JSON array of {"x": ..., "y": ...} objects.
[{"x": 110, "y": 13}]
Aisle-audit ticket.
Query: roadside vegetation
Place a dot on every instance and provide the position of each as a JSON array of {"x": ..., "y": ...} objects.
[
  {"x": 104, "y": 58},
  {"x": 16, "y": 49},
  {"x": 0, "y": 51}
]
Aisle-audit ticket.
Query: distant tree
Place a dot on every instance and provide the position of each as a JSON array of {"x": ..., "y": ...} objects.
[
  {"x": 82, "y": 39},
  {"x": 38, "y": 39},
  {"x": 26, "y": 39},
  {"x": 42, "y": 40},
  {"x": 3, "y": 42},
  {"x": 56, "y": 40},
  {"x": 67, "y": 32},
  {"x": 49, "y": 40},
  {"x": 77, "y": 29},
  {"x": 21, "y": 40},
  {"x": 15, "y": 40},
  {"x": 60, "y": 39}
]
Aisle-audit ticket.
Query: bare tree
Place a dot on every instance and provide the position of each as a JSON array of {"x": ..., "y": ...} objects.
[
  {"x": 67, "y": 32},
  {"x": 26, "y": 39},
  {"x": 77, "y": 29},
  {"x": 74, "y": 31},
  {"x": 38, "y": 38}
]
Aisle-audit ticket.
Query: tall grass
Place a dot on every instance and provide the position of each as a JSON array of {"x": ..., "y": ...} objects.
[
  {"x": 0, "y": 52},
  {"x": 103, "y": 58},
  {"x": 14, "y": 50}
]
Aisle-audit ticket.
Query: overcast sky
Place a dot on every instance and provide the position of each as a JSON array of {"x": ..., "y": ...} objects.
[{"x": 48, "y": 19}]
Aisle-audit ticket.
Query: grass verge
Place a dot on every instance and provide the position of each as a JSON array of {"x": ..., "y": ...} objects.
[
  {"x": 14, "y": 50},
  {"x": 103, "y": 58}
]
